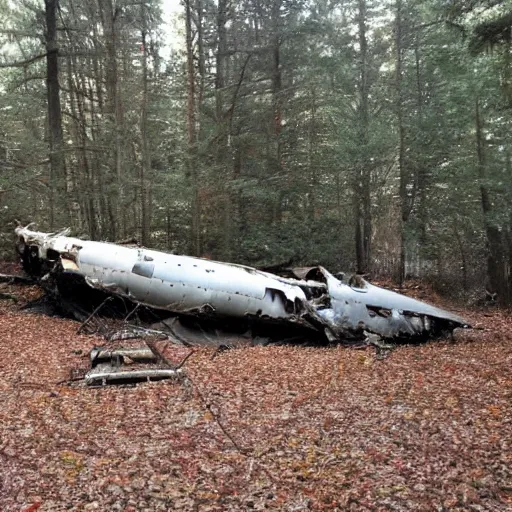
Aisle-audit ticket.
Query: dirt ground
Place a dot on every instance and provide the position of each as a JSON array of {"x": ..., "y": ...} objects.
[{"x": 264, "y": 428}]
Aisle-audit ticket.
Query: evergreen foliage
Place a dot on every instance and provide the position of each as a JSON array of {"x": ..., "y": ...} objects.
[{"x": 368, "y": 135}]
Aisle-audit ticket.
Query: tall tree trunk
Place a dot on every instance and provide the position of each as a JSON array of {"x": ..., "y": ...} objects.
[
  {"x": 463, "y": 259},
  {"x": 201, "y": 60},
  {"x": 509, "y": 230},
  {"x": 507, "y": 67},
  {"x": 362, "y": 185},
  {"x": 404, "y": 207},
  {"x": 240, "y": 206},
  {"x": 116, "y": 185},
  {"x": 76, "y": 133},
  {"x": 222, "y": 149},
  {"x": 498, "y": 279},
  {"x": 277, "y": 101},
  {"x": 57, "y": 161},
  {"x": 195, "y": 239},
  {"x": 312, "y": 164},
  {"x": 220, "y": 60},
  {"x": 145, "y": 167},
  {"x": 422, "y": 173}
]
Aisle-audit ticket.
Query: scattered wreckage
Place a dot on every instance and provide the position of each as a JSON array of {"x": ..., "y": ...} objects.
[
  {"x": 118, "y": 365},
  {"x": 195, "y": 301},
  {"x": 198, "y": 300}
]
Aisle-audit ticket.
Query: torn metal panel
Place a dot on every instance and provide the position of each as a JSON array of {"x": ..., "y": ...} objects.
[
  {"x": 181, "y": 284},
  {"x": 314, "y": 301},
  {"x": 356, "y": 304}
]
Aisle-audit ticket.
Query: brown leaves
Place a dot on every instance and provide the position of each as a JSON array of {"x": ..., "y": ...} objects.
[
  {"x": 33, "y": 507},
  {"x": 319, "y": 429}
]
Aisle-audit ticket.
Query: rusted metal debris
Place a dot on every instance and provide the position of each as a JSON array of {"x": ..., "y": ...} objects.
[
  {"x": 195, "y": 299},
  {"x": 130, "y": 365},
  {"x": 105, "y": 373},
  {"x": 140, "y": 354}
]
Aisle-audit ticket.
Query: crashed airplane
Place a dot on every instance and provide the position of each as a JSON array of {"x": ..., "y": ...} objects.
[{"x": 306, "y": 302}]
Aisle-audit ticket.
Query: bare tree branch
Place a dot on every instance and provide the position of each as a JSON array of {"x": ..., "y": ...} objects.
[
  {"x": 31, "y": 60},
  {"x": 26, "y": 62},
  {"x": 20, "y": 33},
  {"x": 16, "y": 165}
]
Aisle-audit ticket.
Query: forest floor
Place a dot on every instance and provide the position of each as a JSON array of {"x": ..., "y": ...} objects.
[{"x": 274, "y": 428}]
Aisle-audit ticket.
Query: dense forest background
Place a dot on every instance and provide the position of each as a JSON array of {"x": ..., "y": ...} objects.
[{"x": 365, "y": 135}]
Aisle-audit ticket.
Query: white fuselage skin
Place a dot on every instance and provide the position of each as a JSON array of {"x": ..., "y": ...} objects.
[{"x": 184, "y": 284}]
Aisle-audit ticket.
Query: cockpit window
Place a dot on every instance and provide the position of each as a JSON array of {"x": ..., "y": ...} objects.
[
  {"x": 357, "y": 282},
  {"x": 144, "y": 269}
]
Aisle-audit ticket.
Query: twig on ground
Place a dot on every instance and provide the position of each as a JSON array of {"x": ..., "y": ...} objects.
[
  {"x": 218, "y": 350},
  {"x": 132, "y": 312},
  {"x": 88, "y": 319},
  {"x": 246, "y": 452},
  {"x": 185, "y": 359}
]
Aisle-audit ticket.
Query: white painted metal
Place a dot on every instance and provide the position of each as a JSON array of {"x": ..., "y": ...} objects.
[
  {"x": 175, "y": 283},
  {"x": 183, "y": 284}
]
